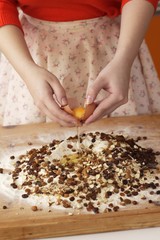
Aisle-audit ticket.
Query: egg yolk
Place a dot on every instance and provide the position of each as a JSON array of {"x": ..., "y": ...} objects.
[{"x": 79, "y": 112}]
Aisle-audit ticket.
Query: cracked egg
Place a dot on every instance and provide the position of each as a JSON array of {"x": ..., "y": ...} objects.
[{"x": 81, "y": 113}]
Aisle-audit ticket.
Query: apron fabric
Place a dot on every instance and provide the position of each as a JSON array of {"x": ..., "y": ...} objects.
[{"x": 75, "y": 52}]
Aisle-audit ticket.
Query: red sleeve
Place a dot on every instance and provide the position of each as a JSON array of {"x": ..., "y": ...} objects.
[
  {"x": 9, "y": 13},
  {"x": 153, "y": 2}
]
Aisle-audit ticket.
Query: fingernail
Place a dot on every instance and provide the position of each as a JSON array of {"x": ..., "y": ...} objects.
[
  {"x": 64, "y": 101},
  {"x": 89, "y": 100}
]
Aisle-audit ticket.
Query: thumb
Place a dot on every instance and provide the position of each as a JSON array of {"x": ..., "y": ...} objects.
[{"x": 93, "y": 91}]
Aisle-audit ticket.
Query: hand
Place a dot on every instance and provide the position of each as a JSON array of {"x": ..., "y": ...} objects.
[
  {"x": 114, "y": 79},
  {"x": 48, "y": 95}
]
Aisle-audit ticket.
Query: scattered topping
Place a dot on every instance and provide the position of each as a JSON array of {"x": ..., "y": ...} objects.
[
  {"x": 34, "y": 208},
  {"x": 108, "y": 166},
  {"x": 5, "y": 207},
  {"x": 24, "y": 195}
]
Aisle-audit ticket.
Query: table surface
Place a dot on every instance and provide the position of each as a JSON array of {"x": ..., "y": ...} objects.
[
  {"x": 28, "y": 226},
  {"x": 143, "y": 234}
]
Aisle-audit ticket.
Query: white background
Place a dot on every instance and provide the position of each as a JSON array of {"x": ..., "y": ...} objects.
[{"x": 138, "y": 234}]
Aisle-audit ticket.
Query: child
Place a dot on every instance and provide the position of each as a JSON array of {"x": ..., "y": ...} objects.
[{"x": 56, "y": 50}]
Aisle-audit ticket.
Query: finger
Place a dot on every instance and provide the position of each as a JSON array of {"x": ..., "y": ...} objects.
[
  {"x": 93, "y": 91},
  {"x": 56, "y": 120},
  {"x": 59, "y": 92},
  {"x": 56, "y": 111},
  {"x": 62, "y": 123},
  {"x": 105, "y": 107}
]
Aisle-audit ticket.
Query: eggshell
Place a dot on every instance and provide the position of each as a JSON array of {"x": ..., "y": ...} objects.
[
  {"x": 67, "y": 109},
  {"x": 89, "y": 110}
]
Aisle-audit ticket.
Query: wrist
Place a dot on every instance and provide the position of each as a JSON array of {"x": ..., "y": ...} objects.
[
  {"x": 123, "y": 61},
  {"x": 26, "y": 68},
  {"x": 125, "y": 58}
]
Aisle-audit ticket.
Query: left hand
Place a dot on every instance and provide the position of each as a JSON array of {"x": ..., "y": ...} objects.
[{"x": 114, "y": 79}]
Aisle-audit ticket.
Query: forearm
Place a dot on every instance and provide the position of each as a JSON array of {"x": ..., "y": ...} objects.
[
  {"x": 136, "y": 16},
  {"x": 13, "y": 46}
]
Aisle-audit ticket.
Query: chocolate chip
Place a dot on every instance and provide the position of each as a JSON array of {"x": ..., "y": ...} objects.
[
  {"x": 24, "y": 195},
  {"x": 127, "y": 201},
  {"x": 14, "y": 185},
  {"x": 72, "y": 199},
  {"x": 125, "y": 182},
  {"x": 5, "y": 207},
  {"x": 116, "y": 208}
]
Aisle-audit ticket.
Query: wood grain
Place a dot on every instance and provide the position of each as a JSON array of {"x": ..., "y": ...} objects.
[{"x": 16, "y": 223}]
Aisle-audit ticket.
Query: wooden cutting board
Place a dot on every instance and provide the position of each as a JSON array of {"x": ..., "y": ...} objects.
[{"x": 16, "y": 223}]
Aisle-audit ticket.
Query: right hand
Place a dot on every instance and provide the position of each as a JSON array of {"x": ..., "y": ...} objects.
[
  {"x": 45, "y": 88},
  {"x": 114, "y": 79}
]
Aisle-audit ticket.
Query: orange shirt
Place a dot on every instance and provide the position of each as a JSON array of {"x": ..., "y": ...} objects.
[{"x": 60, "y": 10}]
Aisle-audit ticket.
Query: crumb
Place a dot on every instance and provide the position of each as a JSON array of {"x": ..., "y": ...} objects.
[
  {"x": 34, "y": 208},
  {"x": 5, "y": 207}
]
